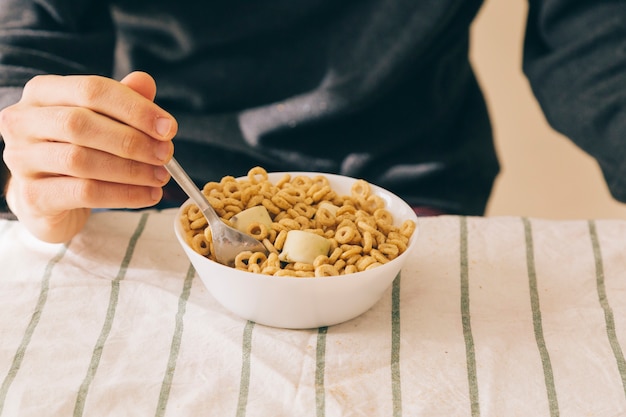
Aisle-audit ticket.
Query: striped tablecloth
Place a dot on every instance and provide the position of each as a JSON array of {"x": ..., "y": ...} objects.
[{"x": 491, "y": 317}]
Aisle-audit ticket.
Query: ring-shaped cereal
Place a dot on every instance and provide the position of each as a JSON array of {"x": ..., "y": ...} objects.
[
  {"x": 231, "y": 189},
  {"x": 216, "y": 203},
  {"x": 199, "y": 223},
  {"x": 194, "y": 212},
  {"x": 210, "y": 186},
  {"x": 335, "y": 255},
  {"x": 257, "y": 174},
  {"x": 364, "y": 262},
  {"x": 273, "y": 260},
  {"x": 408, "y": 228},
  {"x": 293, "y": 194},
  {"x": 303, "y": 221},
  {"x": 373, "y": 265},
  {"x": 321, "y": 180},
  {"x": 360, "y": 189},
  {"x": 304, "y": 209},
  {"x": 345, "y": 209},
  {"x": 324, "y": 217},
  {"x": 255, "y": 200},
  {"x": 232, "y": 209},
  {"x": 230, "y": 201},
  {"x": 281, "y": 202},
  {"x": 284, "y": 180},
  {"x": 368, "y": 242},
  {"x": 200, "y": 244},
  {"x": 257, "y": 230},
  {"x": 208, "y": 235},
  {"x": 350, "y": 269},
  {"x": 349, "y": 251},
  {"x": 345, "y": 234},
  {"x": 326, "y": 271},
  {"x": 319, "y": 195},
  {"x": 302, "y": 181},
  {"x": 301, "y": 266},
  {"x": 372, "y": 203},
  {"x": 270, "y": 246},
  {"x": 241, "y": 260},
  {"x": 383, "y": 216},
  {"x": 279, "y": 243},
  {"x": 339, "y": 265},
  {"x": 320, "y": 260},
  {"x": 270, "y": 270},
  {"x": 257, "y": 258},
  {"x": 271, "y": 207},
  {"x": 389, "y": 249},
  {"x": 290, "y": 224}
]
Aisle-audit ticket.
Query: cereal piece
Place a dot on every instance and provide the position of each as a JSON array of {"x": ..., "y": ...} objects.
[{"x": 326, "y": 271}]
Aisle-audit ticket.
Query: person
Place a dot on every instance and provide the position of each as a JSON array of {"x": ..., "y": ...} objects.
[{"x": 98, "y": 95}]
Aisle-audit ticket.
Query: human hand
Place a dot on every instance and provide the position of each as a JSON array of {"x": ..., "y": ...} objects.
[{"x": 73, "y": 143}]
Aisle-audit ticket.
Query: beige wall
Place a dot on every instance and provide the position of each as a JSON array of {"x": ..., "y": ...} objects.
[{"x": 543, "y": 174}]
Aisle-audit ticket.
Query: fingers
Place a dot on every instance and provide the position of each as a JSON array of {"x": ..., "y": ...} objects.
[
  {"x": 63, "y": 159},
  {"x": 84, "y": 127},
  {"x": 86, "y": 193},
  {"x": 105, "y": 96}
]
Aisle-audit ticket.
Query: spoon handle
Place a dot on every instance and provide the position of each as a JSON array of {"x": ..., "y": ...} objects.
[{"x": 190, "y": 188}]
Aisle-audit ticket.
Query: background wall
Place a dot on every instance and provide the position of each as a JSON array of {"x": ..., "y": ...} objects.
[{"x": 543, "y": 174}]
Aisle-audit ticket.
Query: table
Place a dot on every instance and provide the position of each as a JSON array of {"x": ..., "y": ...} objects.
[{"x": 501, "y": 316}]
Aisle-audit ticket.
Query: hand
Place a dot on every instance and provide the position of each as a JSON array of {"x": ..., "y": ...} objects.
[{"x": 73, "y": 143}]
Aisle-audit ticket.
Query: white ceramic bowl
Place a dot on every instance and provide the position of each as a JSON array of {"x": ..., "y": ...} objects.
[{"x": 302, "y": 303}]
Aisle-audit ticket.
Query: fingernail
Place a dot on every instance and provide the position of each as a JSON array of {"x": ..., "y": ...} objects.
[
  {"x": 156, "y": 194},
  {"x": 163, "y": 126},
  {"x": 161, "y": 174},
  {"x": 162, "y": 150}
]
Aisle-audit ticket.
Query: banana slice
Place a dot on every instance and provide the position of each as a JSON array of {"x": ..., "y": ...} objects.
[
  {"x": 255, "y": 214},
  {"x": 301, "y": 246}
]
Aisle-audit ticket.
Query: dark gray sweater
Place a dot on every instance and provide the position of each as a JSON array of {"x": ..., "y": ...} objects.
[{"x": 375, "y": 89}]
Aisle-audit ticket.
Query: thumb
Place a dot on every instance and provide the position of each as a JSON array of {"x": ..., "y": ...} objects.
[{"x": 142, "y": 83}]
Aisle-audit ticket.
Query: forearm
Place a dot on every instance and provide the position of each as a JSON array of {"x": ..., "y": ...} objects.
[{"x": 575, "y": 63}]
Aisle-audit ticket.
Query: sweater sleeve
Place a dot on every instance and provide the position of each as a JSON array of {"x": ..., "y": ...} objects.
[
  {"x": 52, "y": 37},
  {"x": 575, "y": 61}
]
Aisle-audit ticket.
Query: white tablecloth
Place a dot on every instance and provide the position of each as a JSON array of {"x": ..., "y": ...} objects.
[{"x": 491, "y": 317}]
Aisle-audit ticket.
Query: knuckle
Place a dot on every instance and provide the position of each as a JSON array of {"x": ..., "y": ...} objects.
[
  {"x": 73, "y": 159},
  {"x": 89, "y": 89},
  {"x": 127, "y": 144},
  {"x": 134, "y": 169},
  {"x": 72, "y": 121},
  {"x": 29, "y": 193},
  {"x": 9, "y": 117},
  {"x": 33, "y": 85}
]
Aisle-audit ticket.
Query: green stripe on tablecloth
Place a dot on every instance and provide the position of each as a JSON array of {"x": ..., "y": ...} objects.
[
  {"x": 604, "y": 302},
  {"x": 244, "y": 385},
  {"x": 472, "y": 377},
  {"x": 537, "y": 321},
  {"x": 32, "y": 325},
  {"x": 396, "y": 388},
  {"x": 108, "y": 322},
  {"x": 166, "y": 385},
  {"x": 320, "y": 370}
]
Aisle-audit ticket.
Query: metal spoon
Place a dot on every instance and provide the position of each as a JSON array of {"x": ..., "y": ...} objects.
[{"x": 228, "y": 242}]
